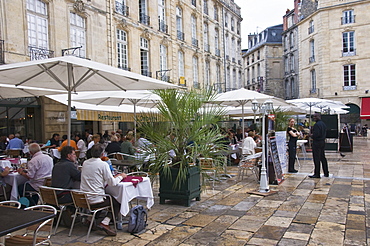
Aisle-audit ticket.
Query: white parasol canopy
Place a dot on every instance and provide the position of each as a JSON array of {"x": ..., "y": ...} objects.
[
  {"x": 12, "y": 91},
  {"x": 72, "y": 74}
]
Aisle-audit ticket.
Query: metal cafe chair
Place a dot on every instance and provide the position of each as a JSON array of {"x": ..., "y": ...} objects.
[{"x": 11, "y": 204}]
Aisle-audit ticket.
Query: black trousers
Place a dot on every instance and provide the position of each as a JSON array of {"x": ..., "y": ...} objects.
[
  {"x": 116, "y": 206},
  {"x": 292, "y": 150},
  {"x": 318, "y": 152}
]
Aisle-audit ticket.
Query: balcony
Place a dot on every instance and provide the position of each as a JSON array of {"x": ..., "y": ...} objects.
[
  {"x": 228, "y": 57},
  {"x": 194, "y": 42},
  {"x": 124, "y": 67},
  {"x": 74, "y": 51},
  {"x": 2, "y": 58},
  {"x": 311, "y": 29},
  {"x": 162, "y": 26},
  {"x": 144, "y": 19},
  {"x": 233, "y": 60},
  {"x": 207, "y": 48},
  {"x": 205, "y": 10},
  {"x": 165, "y": 78},
  {"x": 217, "y": 52},
  {"x": 240, "y": 62},
  {"x": 232, "y": 28},
  {"x": 311, "y": 59},
  {"x": 194, "y": 2},
  {"x": 349, "y": 52},
  {"x": 146, "y": 73},
  {"x": 122, "y": 9},
  {"x": 350, "y": 88},
  {"x": 348, "y": 19},
  {"x": 313, "y": 91},
  {"x": 36, "y": 53},
  {"x": 180, "y": 35}
]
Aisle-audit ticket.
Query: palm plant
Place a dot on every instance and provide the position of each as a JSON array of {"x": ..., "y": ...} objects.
[{"x": 184, "y": 129}]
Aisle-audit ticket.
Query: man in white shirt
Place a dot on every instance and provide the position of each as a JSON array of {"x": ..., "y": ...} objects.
[
  {"x": 249, "y": 144},
  {"x": 95, "y": 174},
  {"x": 38, "y": 168}
]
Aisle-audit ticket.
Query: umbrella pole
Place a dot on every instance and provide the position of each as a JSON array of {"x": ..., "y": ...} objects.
[
  {"x": 135, "y": 123},
  {"x": 243, "y": 121},
  {"x": 69, "y": 69}
]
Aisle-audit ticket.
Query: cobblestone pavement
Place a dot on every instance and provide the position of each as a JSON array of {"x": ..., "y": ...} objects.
[{"x": 304, "y": 211}]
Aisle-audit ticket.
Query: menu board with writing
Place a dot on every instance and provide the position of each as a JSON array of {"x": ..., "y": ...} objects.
[{"x": 273, "y": 152}]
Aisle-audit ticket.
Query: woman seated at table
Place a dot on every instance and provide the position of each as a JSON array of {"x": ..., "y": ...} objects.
[
  {"x": 249, "y": 144},
  {"x": 114, "y": 145},
  {"x": 128, "y": 148}
]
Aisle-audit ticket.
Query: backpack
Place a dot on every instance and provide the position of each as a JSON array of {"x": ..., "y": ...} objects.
[{"x": 138, "y": 219}]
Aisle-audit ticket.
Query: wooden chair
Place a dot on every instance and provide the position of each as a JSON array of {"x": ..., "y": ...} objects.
[
  {"x": 32, "y": 237},
  {"x": 14, "y": 153},
  {"x": 209, "y": 168},
  {"x": 47, "y": 182},
  {"x": 82, "y": 205},
  {"x": 49, "y": 197}
]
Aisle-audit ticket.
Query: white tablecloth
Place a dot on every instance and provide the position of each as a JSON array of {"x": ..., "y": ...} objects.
[
  {"x": 124, "y": 192},
  {"x": 5, "y": 163},
  {"x": 55, "y": 153},
  {"x": 14, "y": 179}
]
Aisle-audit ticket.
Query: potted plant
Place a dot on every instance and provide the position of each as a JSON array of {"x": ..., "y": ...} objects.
[{"x": 184, "y": 129}]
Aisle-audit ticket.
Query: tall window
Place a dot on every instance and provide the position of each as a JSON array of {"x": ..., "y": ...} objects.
[
  {"x": 291, "y": 37},
  {"x": 292, "y": 63},
  {"x": 313, "y": 81},
  {"x": 207, "y": 74},
  {"x": 215, "y": 13},
  {"x": 181, "y": 64},
  {"x": 286, "y": 44},
  {"x": 194, "y": 2},
  {"x": 194, "y": 31},
  {"x": 234, "y": 79},
  {"x": 348, "y": 17},
  {"x": 349, "y": 75},
  {"x": 144, "y": 56},
  {"x": 162, "y": 16},
  {"x": 232, "y": 24},
  {"x": 163, "y": 61},
  {"x": 78, "y": 34},
  {"x": 217, "y": 41},
  {"x": 311, "y": 27},
  {"x": 143, "y": 12},
  {"x": 228, "y": 79},
  {"x": 293, "y": 88},
  {"x": 233, "y": 49},
  {"x": 218, "y": 78},
  {"x": 287, "y": 89},
  {"x": 122, "y": 49},
  {"x": 205, "y": 6},
  {"x": 226, "y": 20},
  {"x": 37, "y": 20},
  {"x": 180, "y": 33},
  {"x": 205, "y": 37},
  {"x": 227, "y": 45},
  {"x": 121, "y": 7},
  {"x": 349, "y": 43},
  {"x": 286, "y": 63},
  {"x": 312, "y": 51},
  {"x": 195, "y": 72}
]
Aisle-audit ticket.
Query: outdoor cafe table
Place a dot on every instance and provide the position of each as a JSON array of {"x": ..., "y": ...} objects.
[
  {"x": 14, "y": 179},
  {"x": 13, "y": 219},
  {"x": 124, "y": 192}
]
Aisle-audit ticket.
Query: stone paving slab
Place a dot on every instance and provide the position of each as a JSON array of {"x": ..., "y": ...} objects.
[{"x": 304, "y": 211}]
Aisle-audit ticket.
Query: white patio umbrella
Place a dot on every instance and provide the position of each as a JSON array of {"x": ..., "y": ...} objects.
[
  {"x": 72, "y": 74},
  {"x": 143, "y": 98},
  {"x": 242, "y": 96},
  {"x": 12, "y": 91}
]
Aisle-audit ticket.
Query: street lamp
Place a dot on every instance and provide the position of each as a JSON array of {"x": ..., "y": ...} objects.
[
  {"x": 266, "y": 108},
  {"x": 255, "y": 106}
]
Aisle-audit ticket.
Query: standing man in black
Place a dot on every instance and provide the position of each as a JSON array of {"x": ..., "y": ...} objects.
[{"x": 318, "y": 146}]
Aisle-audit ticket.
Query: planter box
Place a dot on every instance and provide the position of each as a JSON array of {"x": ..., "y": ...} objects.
[{"x": 189, "y": 189}]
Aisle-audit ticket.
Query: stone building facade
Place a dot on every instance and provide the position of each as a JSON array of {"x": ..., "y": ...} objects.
[
  {"x": 333, "y": 53},
  {"x": 263, "y": 64},
  {"x": 193, "y": 43}
]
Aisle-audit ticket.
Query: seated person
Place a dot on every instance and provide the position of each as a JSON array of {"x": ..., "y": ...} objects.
[
  {"x": 142, "y": 142},
  {"x": 65, "y": 174},
  {"x": 114, "y": 146},
  {"x": 95, "y": 140},
  {"x": 249, "y": 144},
  {"x": 39, "y": 167},
  {"x": 128, "y": 148},
  {"x": 65, "y": 143},
  {"x": 52, "y": 142},
  {"x": 95, "y": 175},
  {"x": 15, "y": 143},
  {"x": 81, "y": 146}
]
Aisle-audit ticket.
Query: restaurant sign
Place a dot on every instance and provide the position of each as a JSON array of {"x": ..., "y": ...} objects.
[{"x": 93, "y": 115}]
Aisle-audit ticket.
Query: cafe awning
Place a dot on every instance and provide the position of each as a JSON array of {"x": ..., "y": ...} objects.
[{"x": 365, "y": 108}]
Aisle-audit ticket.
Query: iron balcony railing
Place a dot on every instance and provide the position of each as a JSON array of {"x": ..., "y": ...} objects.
[
  {"x": 36, "y": 53},
  {"x": 233, "y": 59},
  {"x": 349, "y": 87},
  {"x": 162, "y": 26},
  {"x": 180, "y": 35},
  {"x": 74, "y": 51},
  {"x": 228, "y": 57},
  {"x": 165, "y": 78},
  {"x": 2, "y": 59},
  {"x": 146, "y": 73},
  {"x": 194, "y": 42},
  {"x": 348, "y": 19},
  {"x": 313, "y": 91},
  {"x": 240, "y": 62},
  {"x": 311, "y": 59},
  {"x": 144, "y": 19},
  {"x": 122, "y": 9},
  {"x": 194, "y": 2}
]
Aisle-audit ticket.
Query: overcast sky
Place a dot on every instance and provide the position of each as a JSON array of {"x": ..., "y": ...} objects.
[{"x": 259, "y": 14}]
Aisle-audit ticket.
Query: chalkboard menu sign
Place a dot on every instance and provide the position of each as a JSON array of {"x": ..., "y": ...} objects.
[{"x": 273, "y": 152}]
